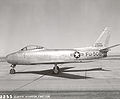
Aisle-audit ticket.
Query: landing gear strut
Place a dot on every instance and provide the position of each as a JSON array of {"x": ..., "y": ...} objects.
[
  {"x": 12, "y": 70},
  {"x": 56, "y": 69}
]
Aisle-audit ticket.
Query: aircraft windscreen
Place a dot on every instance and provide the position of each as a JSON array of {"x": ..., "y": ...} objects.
[{"x": 32, "y": 47}]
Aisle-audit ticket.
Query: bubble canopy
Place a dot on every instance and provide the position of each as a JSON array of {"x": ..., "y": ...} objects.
[{"x": 32, "y": 47}]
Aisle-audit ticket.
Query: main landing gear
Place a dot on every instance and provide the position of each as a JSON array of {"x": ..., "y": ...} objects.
[
  {"x": 56, "y": 69},
  {"x": 12, "y": 70}
]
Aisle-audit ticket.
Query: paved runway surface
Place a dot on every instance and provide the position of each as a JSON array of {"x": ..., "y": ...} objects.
[{"x": 74, "y": 77}]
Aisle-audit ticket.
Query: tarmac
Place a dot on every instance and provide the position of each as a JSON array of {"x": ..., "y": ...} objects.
[{"x": 99, "y": 75}]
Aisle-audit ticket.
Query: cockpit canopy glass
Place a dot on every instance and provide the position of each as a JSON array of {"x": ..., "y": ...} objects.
[{"x": 32, "y": 47}]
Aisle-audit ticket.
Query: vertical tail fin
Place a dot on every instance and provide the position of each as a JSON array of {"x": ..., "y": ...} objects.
[{"x": 103, "y": 39}]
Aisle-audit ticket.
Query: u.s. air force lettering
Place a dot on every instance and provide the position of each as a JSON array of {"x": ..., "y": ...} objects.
[{"x": 76, "y": 54}]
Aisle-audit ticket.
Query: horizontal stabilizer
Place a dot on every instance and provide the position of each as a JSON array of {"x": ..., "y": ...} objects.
[{"x": 108, "y": 48}]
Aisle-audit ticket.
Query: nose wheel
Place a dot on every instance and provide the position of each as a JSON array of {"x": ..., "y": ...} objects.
[
  {"x": 56, "y": 69},
  {"x": 12, "y": 70}
]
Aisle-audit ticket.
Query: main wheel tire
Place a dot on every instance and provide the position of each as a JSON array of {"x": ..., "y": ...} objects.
[
  {"x": 12, "y": 71},
  {"x": 56, "y": 70}
]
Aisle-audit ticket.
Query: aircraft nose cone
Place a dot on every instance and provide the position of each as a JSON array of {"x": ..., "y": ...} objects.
[{"x": 11, "y": 58}]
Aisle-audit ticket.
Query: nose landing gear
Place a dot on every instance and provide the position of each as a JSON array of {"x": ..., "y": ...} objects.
[{"x": 12, "y": 70}]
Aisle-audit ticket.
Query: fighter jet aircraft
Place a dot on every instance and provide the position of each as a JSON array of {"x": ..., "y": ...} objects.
[{"x": 33, "y": 54}]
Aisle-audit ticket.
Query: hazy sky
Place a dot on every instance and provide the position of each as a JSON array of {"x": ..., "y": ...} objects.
[{"x": 57, "y": 23}]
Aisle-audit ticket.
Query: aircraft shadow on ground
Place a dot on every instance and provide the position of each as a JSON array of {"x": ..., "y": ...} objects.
[
  {"x": 63, "y": 73},
  {"x": 111, "y": 59}
]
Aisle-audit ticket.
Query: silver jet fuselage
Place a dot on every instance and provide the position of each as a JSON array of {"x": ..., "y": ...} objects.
[
  {"x": 52, "y": 56},
  {"x": 34, "y": 54}
]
